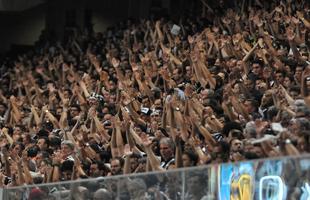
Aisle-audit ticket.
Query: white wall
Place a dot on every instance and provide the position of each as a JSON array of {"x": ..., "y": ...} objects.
[
  {"x": 16, "y": 5},
  {"x": 23, "y": 28},
  {"x": 101, "y": 23}
]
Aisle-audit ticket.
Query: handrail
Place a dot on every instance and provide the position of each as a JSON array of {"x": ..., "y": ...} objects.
[
  {"x": 162, "y": 172},
  {"x": 252, "y": 179}
]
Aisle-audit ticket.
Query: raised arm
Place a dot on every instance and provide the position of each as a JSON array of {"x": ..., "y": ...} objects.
[{"x": 154, "y": 161}]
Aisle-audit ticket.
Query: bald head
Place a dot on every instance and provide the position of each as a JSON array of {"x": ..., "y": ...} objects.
[{"x": 103, "y": 194}]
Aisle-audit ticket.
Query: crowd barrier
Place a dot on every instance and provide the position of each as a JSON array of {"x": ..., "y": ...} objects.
[{"x": 267, "y": 179}]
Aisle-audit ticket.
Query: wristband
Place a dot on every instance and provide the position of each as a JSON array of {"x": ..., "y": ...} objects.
[{"x": 56, "y": 165}]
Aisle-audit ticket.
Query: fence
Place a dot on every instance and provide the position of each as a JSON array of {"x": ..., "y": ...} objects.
[{"x": 269, "y": 179}]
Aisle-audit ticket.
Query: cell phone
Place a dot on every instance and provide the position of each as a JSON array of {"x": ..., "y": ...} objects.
[
  {"x": 35, "y": 137},
  {"x": 277, "y": 127},
  {"x": 126, "y": 109}
]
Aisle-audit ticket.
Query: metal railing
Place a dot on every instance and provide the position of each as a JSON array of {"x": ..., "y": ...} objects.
[{"x": 266, "y": 179}]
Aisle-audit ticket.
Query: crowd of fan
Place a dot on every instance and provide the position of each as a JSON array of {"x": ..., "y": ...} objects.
[{"x": 157, "y": 95}]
